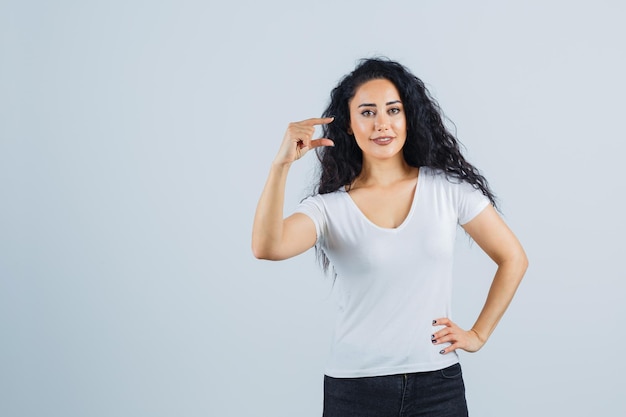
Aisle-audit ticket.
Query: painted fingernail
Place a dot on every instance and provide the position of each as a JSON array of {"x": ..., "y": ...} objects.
[
  {"x": 442, "y": 351},
  {"x": 432, "y": 336},
  {"x": 434, "y": 341},
  {"x": 434, "y": 321}
]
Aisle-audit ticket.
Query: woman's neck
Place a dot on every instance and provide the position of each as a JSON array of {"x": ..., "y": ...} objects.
[{"x": 385, "y": 172}]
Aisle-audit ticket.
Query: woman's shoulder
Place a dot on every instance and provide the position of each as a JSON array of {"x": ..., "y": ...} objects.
[
  {"x": 431, "y": 173},
  {"x": 440, "y": 179},
  {"x": 326, "y": 197},
  {"x": 319, "y": 205}
]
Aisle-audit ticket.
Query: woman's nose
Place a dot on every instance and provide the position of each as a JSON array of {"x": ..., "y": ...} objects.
[{"x": 382, "y": 123}]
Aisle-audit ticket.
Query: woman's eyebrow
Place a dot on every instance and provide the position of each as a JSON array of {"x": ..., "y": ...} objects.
[{"x": 374, "y": 105}]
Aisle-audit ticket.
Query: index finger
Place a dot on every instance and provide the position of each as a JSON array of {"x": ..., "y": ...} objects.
[{"x": 314, "y": 121}]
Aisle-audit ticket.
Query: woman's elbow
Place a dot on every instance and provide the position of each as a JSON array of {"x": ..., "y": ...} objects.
[
  {"x": 524, "y": 264},
  {"x": 520, "y": 260},
  {"x": 266, "y": 256},
  {"x": 259, "y": 251},
  {"x": 515, "y": 261},
  {"x": 264, "y": 253}
]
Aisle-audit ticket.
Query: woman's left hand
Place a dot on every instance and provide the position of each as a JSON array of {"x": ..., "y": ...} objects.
[{"x": 468, "y": 340}]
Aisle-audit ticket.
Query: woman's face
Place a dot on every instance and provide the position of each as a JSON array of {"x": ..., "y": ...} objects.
[{"x": 377, "y": 119}]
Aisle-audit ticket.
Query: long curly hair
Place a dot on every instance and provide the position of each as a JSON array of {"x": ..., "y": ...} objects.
[{"x": 428, "y": 142}]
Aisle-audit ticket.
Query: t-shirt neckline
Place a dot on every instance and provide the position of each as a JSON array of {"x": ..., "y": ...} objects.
[{"x": 408, "y": 217}]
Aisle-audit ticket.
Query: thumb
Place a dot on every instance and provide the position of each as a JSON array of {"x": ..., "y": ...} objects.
[{"x": 321, "y": 142}]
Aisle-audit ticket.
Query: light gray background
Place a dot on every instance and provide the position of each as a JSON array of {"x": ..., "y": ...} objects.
[{"x": 135, "y": 137}]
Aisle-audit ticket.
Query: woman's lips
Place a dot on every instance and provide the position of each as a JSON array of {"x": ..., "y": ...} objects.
[{"x": 386, "y": 140}]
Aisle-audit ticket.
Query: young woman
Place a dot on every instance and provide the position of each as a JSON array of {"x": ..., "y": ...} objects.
[{"x": 392, "y": 190}]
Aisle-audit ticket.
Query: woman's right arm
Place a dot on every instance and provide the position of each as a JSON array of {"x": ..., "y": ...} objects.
[{"x": 274, "y": 237}]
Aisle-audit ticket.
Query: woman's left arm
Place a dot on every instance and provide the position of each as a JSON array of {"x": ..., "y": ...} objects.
[{"x": 498, "y": 241}]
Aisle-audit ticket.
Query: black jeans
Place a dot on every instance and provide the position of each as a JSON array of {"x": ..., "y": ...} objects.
[{"x": 434, "y": 394}]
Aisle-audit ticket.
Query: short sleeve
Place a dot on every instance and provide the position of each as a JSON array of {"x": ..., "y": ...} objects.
[
  {"x": 313, "y": 207},
  {"x": 470, "y": 202}
]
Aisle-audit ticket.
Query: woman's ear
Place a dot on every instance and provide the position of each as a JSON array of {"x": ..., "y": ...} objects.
[{"x": 350, "y": 131}]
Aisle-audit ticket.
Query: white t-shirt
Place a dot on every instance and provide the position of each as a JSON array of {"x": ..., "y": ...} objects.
[{"x": 392, "y": 283}]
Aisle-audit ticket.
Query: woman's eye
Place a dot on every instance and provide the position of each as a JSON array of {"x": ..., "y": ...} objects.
[
  {"x": 394, "y": 110},
  {"x": 367, "y": 113}
]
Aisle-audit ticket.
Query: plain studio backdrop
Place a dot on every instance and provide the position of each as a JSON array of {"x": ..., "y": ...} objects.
[{"x": 135, "y": 139}]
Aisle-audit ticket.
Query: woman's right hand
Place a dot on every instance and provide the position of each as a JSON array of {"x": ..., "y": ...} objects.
[
  {"x": 274, "y": 237},
  {"x": 299, "y": 140}
]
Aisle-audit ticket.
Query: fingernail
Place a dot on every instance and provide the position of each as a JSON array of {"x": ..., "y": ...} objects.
[
  {"x": 434, "y": 321},
  {"x": 434, "y": 341},
  {"x": 441, "y": 351}
]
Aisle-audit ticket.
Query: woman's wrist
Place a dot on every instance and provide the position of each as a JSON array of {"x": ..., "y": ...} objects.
[{"x": 482, "y": 340}]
